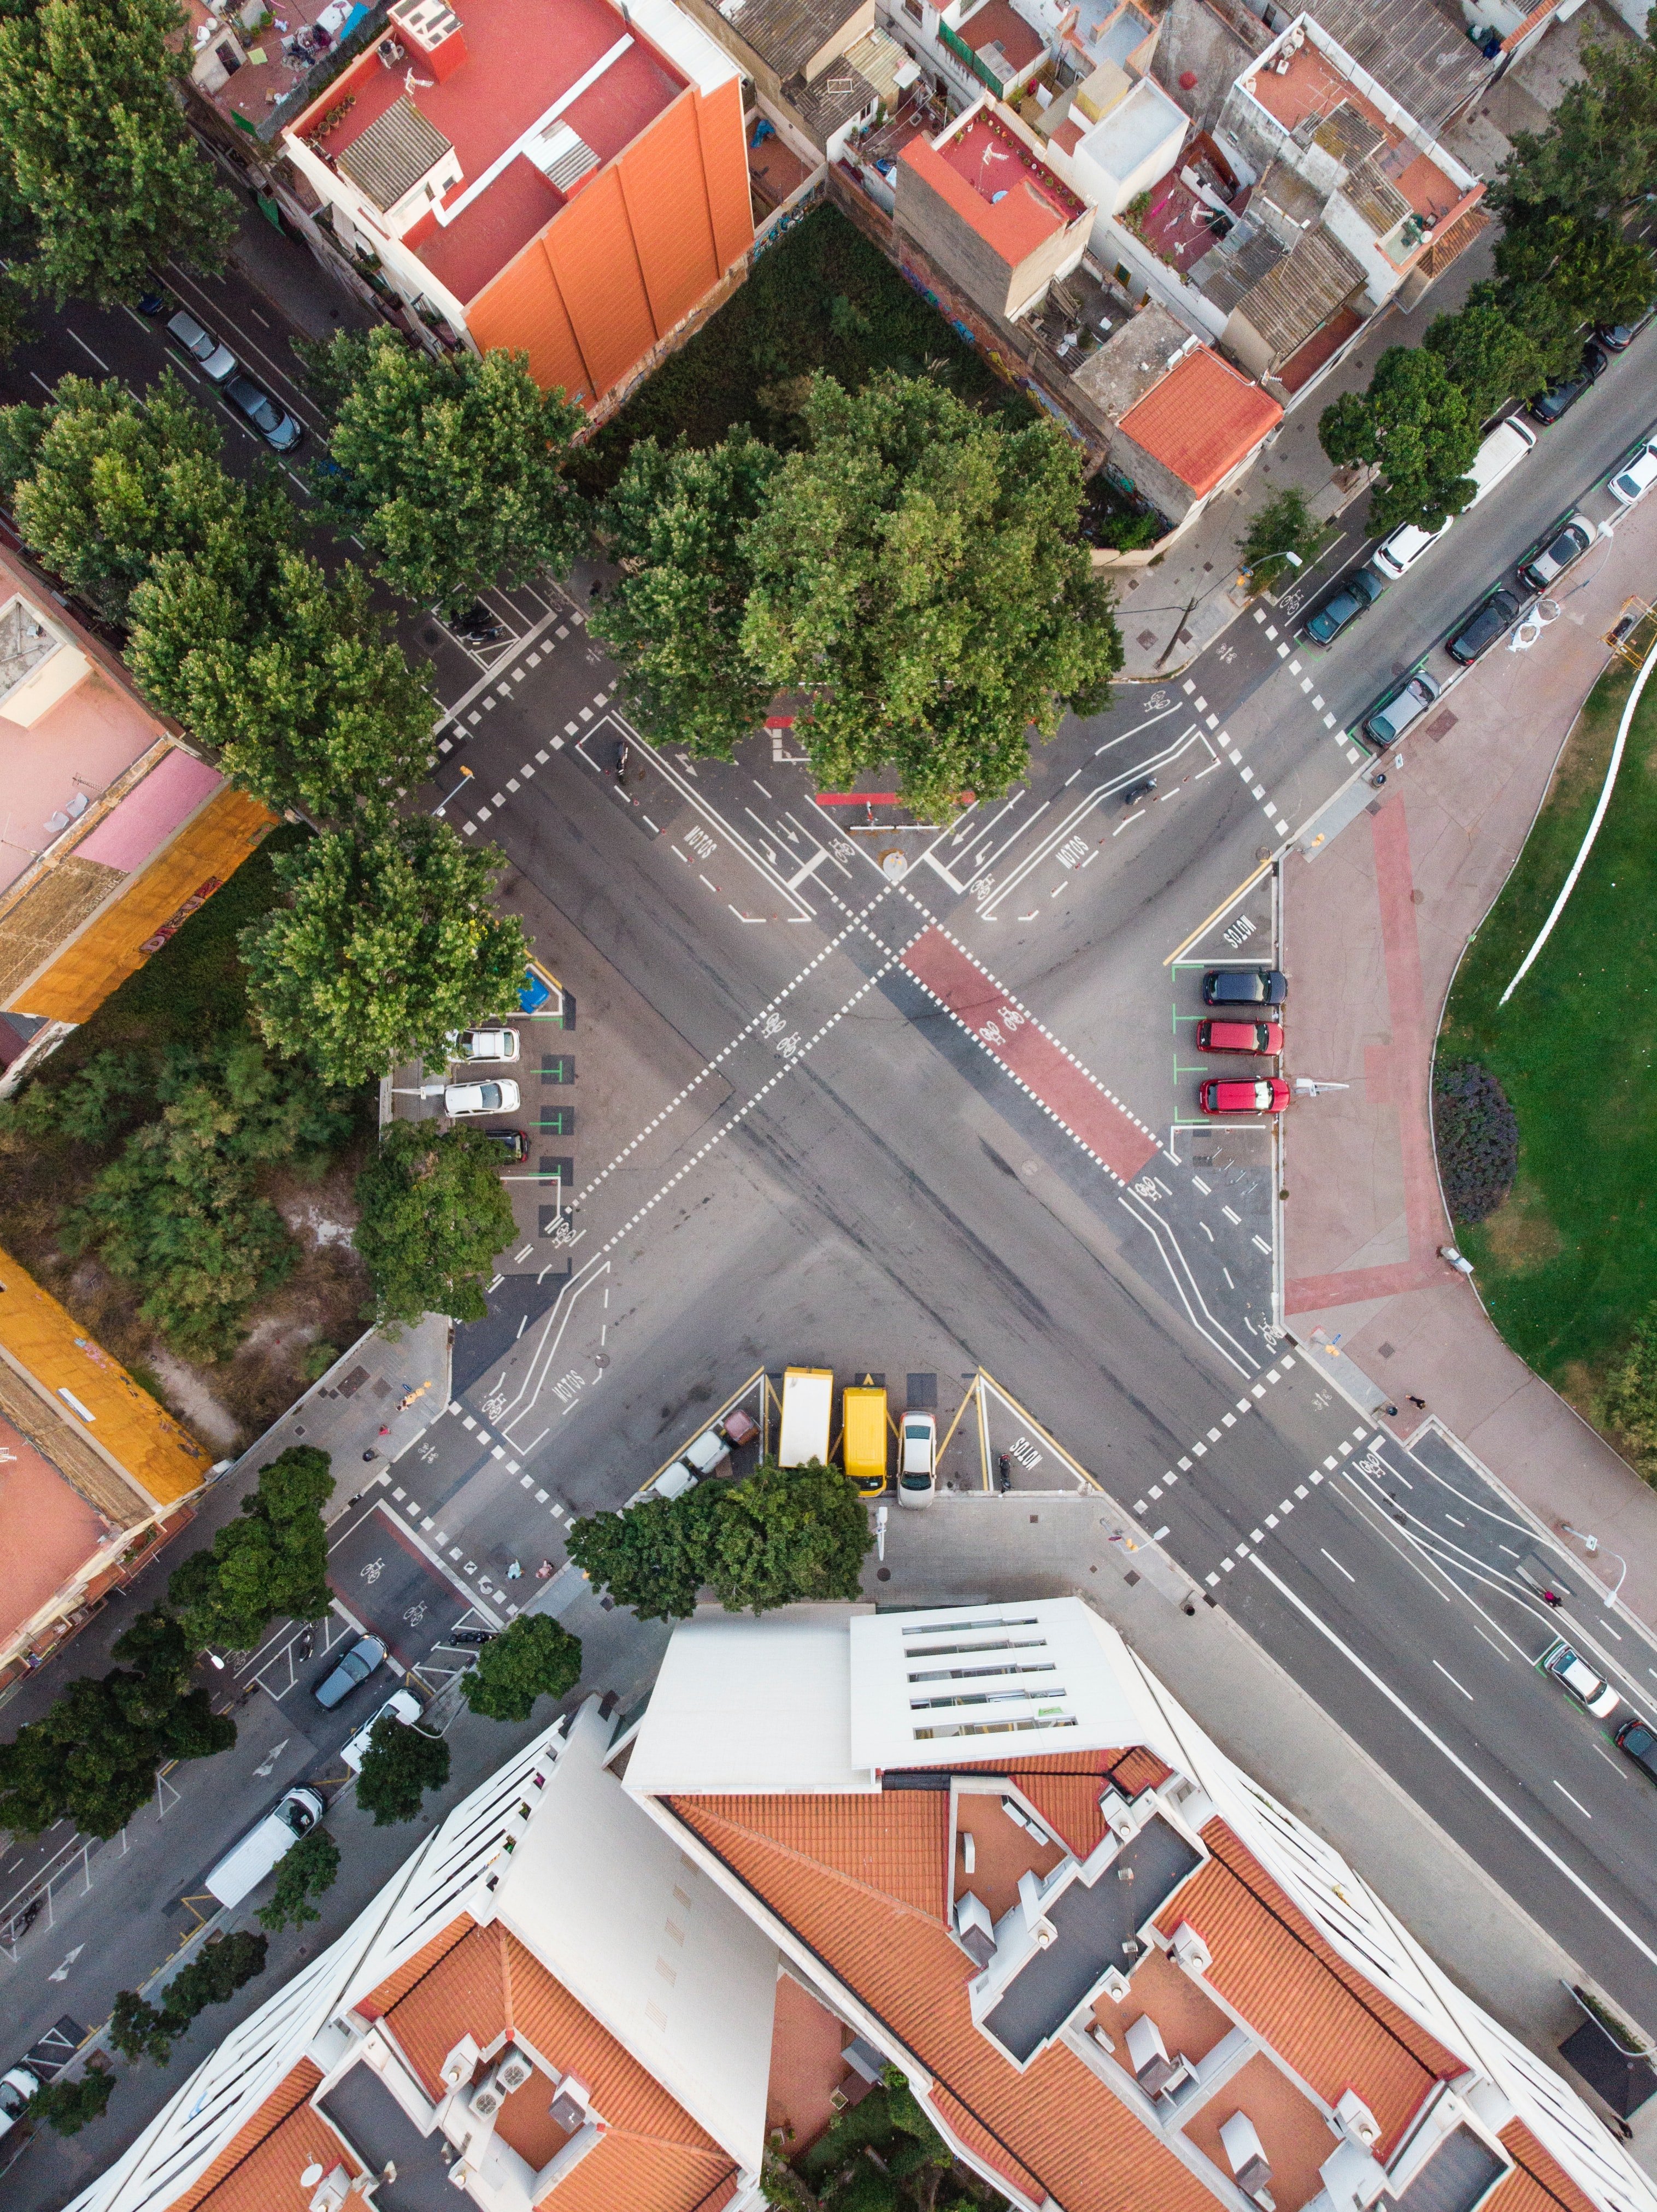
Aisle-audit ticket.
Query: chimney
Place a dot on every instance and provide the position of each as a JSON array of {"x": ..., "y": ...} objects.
[{"x": 431, "y": 32}]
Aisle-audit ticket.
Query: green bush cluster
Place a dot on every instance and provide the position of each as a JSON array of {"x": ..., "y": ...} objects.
[
  {"x": 1477, "y": 1134},
  {"x": 784, "y": 1534},
  {"x": 139, "y": 2029}
]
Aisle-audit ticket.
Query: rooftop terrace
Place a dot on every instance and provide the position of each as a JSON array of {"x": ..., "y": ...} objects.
[
  {"x": 1313, "y": 87},
  {"x": 1013, "y": 202}
]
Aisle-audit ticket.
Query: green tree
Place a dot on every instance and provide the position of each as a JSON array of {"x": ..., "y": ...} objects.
[
  {"x": 1418, "y": 427},
  {"x": 782, "y": 1536},
  {"x": 677, "y": 523},
  {"x": 1486, "y": 354},
  {"x": 389, "y": 942},
  {"x": 917, "y": 569},
  {"x": 218, "y": 1970},
  {"x": 101, "y": 482},
  {"x": 1593, "y": 270},
  {"x": 400, "y": 1765},
  {"x": 1283, "y": 526},
  {"x": 138, "y": 2031},
  {"x": 69, "y": 2106},
  {"x": 451, "y": 471},
  {"x": 308, "y": 1871},
  {"x": 534, "y": 1658},
  {"x": 434, "y": 1215},
  {"x": 94, "y": 1757},
  {"x": 1628, "y": 1402},
  {"x": 292, "y": 675},
  {"x": 654, "y": 1558},
  {"x": 1599, "y": 150},
  {"x": 178, "y": 1211},
  {"x": 94, "y": 147},
  {"x": 271, "y": 1563},
  {"x": 787, "y": 1533}
]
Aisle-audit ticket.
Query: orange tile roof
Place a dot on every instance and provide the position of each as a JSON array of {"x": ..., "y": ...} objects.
[
  {"x": 1201, "y": 420},
  {"x": 895, "y": 1845},
  {"x": 290, "y": 2091},
  {"x": 267, "y": 2178},
  {"x": 383, "y": 1997},
  {"x": 1075, "y": 2140},
  {"x": 1539, "y": 2183},
  {"x": 1322, "y": 2017},
  {"x": 1026, "y": 213}
]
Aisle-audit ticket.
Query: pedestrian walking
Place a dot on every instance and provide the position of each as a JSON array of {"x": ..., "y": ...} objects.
[
  {"x": 514, "y": 1572},
  {"x": 370, "y": 1455},
  {"x": 1420, "y": 1402},
  {"x": 385, "y": 1433},
  {"x": 1550, "y": 1597},
  {"x": 1392, "y": 1413}
]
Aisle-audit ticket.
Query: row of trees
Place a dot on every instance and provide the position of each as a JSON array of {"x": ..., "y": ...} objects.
[
  {"x": 1564, "y": 260},
  {"x": 782, "y": 1536}
]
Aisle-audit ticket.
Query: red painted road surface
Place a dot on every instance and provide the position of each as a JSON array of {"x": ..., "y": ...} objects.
[{"x": 1078, "y": 1102}]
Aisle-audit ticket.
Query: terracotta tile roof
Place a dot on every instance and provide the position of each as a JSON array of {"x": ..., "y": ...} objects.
[
  {"x": 1131, "y": 1770},
  {"x": 398, "y": 1984},
  {"x": 489, "y": 1983},
  {"x": 895, "y": 1845},
  {"x": 1202, "y": 420},
  {"x": 291, "y": 2091},
  {"x": 631, "y": 2173},
  {"x": 266, "y": 2179},
  {"x": 1540, "y": 2183},
  {"x": 1069, "y": 1805},
  {"x": 1335, "y": 2028},
  {"x": 1078, "y": 2143}
]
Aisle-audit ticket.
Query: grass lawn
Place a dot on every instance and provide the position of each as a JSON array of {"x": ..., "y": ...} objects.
[
  {"x": 822, "y": 298},
  {"x": 1569, "y": 1262}
]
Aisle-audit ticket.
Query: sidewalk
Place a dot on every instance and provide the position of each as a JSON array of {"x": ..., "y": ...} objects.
[
  {"x": 1154, "y": 604},
  {"x": 1373, "y": 928}
]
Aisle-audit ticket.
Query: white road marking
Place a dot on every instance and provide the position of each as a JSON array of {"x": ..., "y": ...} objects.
[
  {"x": 1450, "y": 1678},
  {"x": 1577, "y": 1801},
  {"x": 1334, "y": 1561}
]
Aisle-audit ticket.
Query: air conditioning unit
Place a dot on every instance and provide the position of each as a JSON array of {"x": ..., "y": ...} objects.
[
  {"x": 512, "y": 2070},
  {"x": 569, "y": 2106},
  {"x": 331, "y": 2191},
  {"x": 486, "y": 2099},
  {"x": 461, "y": 2063},
  {"x": 1355, "y": 2120}
]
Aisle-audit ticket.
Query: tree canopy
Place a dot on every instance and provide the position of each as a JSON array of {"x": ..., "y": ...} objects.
[
  {"x": 434, "y": 1215},
  {"x": 451, "y": 471},
  {"x": 1590, "y": 266},
  {"x": 1420, "y": 430},
  {"x": 307, "y": 1871},
  {"x": 68, "y": 2107},
  {"x": 1284, "y": 525},
  {"x": 178, "y": 1213},
  {"x": 533, "y": 1658},
  {"x": 271, "y": 1563},
  {"x": 916, "y": 569},
  {"x": 1486, "y": 354},
  {"x": 101, "y": 482},
  {"x": 94, "y": 1757},
  {"x": 913, "y": 567},
  {"x": 400, "y": 1765},
  {"x": 784, "y": 1535},
  {"x": 677, "y": 522},
  {"x": 94, "y": 148},
  {"x": 389, "y": 941},
  {"x": 292, "y": 676}
]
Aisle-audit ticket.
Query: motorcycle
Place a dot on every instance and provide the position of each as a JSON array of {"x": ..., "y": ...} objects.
[
  {"x": 307, "y": 1643},
  {"x": 25, "y": 1918},
  {"x": 1003, "y": 1472}
]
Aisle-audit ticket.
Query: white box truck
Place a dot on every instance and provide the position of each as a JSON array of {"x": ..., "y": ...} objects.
[
  {"x": 243, "y": 1868},
  {"x": 808, "y": 1413}
]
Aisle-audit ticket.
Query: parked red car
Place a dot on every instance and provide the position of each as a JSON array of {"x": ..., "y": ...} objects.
[
  {"x": 1267, "y": 1095},
  {"x": 1240, "y": 1037}
]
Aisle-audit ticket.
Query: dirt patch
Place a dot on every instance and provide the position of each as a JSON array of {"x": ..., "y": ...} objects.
[
  {"x": 187, "y": 1393},
  {"x": 1521, "y": 1233}
]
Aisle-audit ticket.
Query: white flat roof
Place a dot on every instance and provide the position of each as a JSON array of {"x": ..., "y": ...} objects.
[
  {"x": 1134, "y": 130},
  {"x": 745, "y": 1705}
]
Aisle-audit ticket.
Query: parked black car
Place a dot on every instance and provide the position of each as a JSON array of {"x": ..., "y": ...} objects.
[
  {"x": 1245, "y": 986},
  {"x": 1636, "y": 1741},
  {"x": 1482, "y": 628},
  {"x": 1136, "y": 791},
  {"x": 1548, "y": 406},
  {"x": 1360, "y": 590}
]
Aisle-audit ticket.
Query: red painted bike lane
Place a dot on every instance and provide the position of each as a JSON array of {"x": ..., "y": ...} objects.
[{"x": 1038, "y": 1063}]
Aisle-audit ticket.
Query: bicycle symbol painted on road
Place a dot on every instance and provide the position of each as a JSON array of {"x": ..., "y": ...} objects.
[
  {"x": 372, "y": 1572},
  {"x": 416, "y": 1614}
]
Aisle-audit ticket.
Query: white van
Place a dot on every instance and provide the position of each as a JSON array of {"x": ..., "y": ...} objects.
[
  {"x": 243, "y": 1868},
  {"x": 807, "y": 1408},
  {"x": 1500, "y": 452}
]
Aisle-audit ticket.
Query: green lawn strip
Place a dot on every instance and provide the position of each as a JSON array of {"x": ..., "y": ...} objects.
[
  {"x": 822, "y": 298},
  {"x": 1570, "y": 1261}
]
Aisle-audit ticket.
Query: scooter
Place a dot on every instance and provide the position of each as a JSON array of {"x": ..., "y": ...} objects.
[
  {"x": 1003, "y": 1472},
  {"x": 307, "y": 1643}
]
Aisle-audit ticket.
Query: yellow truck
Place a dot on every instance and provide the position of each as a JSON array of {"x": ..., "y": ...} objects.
[{"x": 866, "y": 1437}]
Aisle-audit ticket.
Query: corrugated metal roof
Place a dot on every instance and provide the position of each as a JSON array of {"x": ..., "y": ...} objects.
[
  {"x": 1300, "y": 292},
  {"x": 1419, "y": 51},
  {"x": 785, "y": 33},
  {"x": 392, "y": 155}
]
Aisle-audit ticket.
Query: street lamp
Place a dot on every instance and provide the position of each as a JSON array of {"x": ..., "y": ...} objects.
[
  {"x": 1590, "y": 1545},
  {"x": 466, "y": 777}
]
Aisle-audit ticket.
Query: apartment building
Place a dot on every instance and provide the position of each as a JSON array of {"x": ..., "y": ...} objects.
[
  {"x": 94, "y": 1473},
  {"x": 982, "y": 1845},
  {"x": 114, "y": 829},
  {"x": 563, "y": 177}
]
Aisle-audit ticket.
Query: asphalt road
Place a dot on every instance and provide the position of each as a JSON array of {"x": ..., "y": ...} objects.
[{"x": 817, "y": 1106}]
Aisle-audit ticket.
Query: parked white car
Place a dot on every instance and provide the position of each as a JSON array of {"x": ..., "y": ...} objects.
[
  {"x": 1631, "y": 483},
  {"x": 918, "y": 1461},
  {"x": 499, "y": 1045},
  {"x": 402, "y": 1705},
  {"x": 500, "y": 1097},
  {"x": 17, "y": 2085}
]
